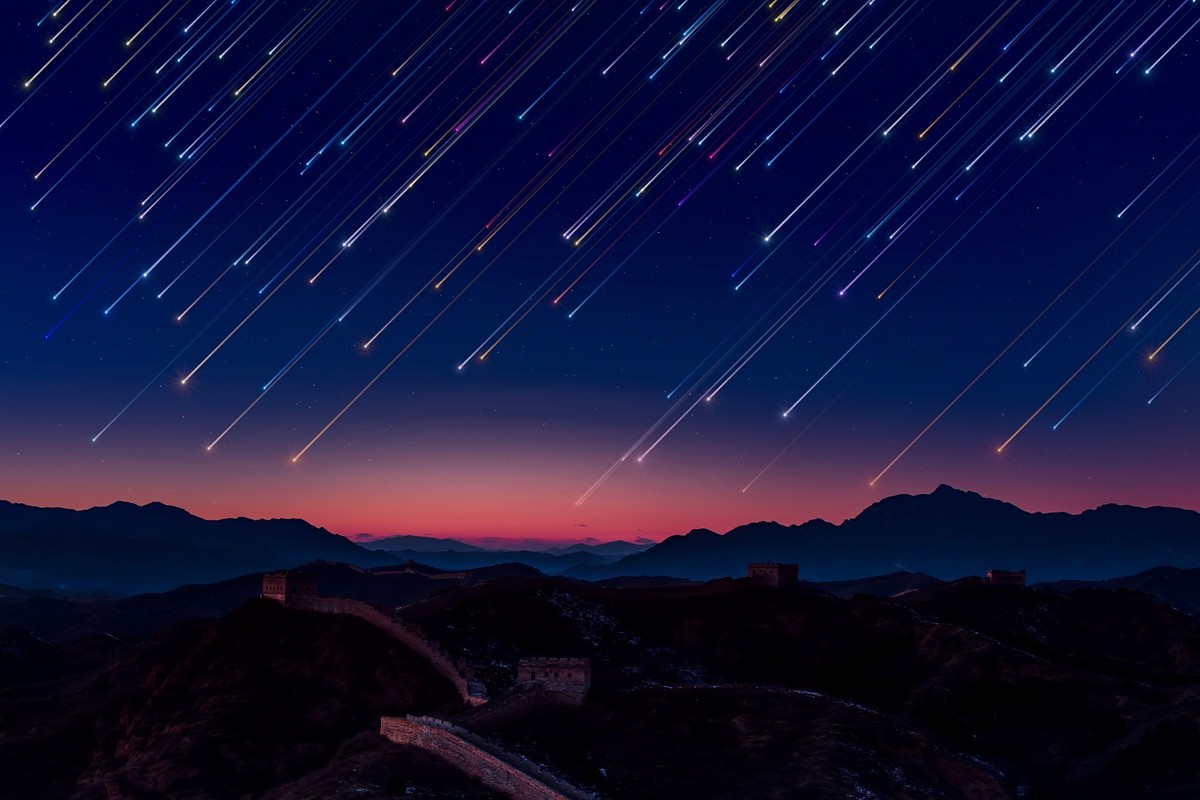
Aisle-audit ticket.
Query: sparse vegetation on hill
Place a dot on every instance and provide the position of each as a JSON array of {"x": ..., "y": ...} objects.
[
  {"x": 1055, "y": 695},
  {"x": 725, "y": 689},
  {"x": 231, "y": 708}
]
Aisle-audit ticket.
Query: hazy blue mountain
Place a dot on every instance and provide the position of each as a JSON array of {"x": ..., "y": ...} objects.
[
  {"x": 288, "y": 537},
  {"x": 125, "y": 548},
  {"x": 545, "y": 562},
  {"x": 419, "y": 544},
  {"x": 946, "y": 534},
  {"x": 80, "y": 560},
  {"x": 434, "y": 544},
  {"x": 617, "y": 548}
]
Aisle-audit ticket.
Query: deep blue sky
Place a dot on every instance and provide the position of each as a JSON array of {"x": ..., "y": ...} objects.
[{"x": 537, "y": 118}]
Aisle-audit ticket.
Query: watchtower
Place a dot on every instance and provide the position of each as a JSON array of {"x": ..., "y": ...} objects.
[
  {"x": 1005, "y": 577},
  {"x": 282, "y": 586},
  {"x": 571, "y": 675},
  {"x": 774, "y": 574}
]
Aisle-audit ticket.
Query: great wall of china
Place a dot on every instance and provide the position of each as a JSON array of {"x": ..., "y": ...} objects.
[
  {"x": 470, "y": 691},
  {"x": 485, "y": 761},
  {"x": 492, "y": 766}
]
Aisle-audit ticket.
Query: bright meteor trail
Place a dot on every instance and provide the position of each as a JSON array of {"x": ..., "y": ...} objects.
[{"x": 425, "y": 234}]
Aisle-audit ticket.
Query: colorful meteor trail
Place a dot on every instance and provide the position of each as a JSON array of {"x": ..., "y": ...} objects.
[{"x": 602, "y": 257}]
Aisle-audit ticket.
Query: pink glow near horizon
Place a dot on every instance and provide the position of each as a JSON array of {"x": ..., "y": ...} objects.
[
  {"x": 523, "y": 483},
  {"x": 521, "y": 523}
]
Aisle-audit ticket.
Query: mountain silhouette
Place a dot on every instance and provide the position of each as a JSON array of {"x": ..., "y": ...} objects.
[
  {"x": 947, "y": 534},
  {"x": 125, "y": 548},
  {"x": 212, "y": 708}
]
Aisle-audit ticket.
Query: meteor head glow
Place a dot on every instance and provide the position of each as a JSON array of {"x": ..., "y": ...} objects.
[{"x": 670, "y": 293}]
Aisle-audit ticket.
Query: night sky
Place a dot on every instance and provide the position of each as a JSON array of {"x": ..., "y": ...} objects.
[{"x": 593, "y": 268}]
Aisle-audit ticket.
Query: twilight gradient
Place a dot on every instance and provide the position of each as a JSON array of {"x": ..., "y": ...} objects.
[{"x": 507, "y": 446}]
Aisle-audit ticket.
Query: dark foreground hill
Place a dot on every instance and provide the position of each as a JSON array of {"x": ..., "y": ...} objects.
[
  {"x": 126, "y": 549},
  {"x": 946, "y": 534},
  {"x": 1177, "y": 587},
  {"x": 264, "y": 700},
  {"x": 741, "y": 741},
  {"x": 962, "y": 690},
  {"x": 729, "y": 689}
]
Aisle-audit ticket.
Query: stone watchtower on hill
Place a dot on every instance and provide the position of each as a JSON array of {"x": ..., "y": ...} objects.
[
  {"x": 286, "y": 585},
  {"x": 1005, "y": 577},
  {"x": 570, "y": 676},
  {"x": 773, "y": 573}
]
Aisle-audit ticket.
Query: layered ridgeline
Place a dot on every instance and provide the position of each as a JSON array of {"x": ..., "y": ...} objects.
[
  {"x": 262, "y": 702},
  {"x": 125, "y": 548},
  {"x": 552, "y": 561},
  {"x": 948, "y": 533}
]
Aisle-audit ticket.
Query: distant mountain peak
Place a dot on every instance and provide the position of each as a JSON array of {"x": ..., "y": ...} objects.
[
  {"x": 943, "y": 497},
  {"x": 126, "y": 548},
  {"x": 946, "y": 533},
  {"x": 117, "y": 504},
  {"x": 154, "y": 506},
  {"x": 699, "y": 533}
]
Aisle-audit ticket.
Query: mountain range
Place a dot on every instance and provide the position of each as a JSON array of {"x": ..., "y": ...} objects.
[
  {"x": 947, "y": 534},
  {"x": 125, "y": 549},
  {"x": 548, "y": 562}
]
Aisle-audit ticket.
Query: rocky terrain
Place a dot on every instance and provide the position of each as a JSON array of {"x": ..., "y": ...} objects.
[
  {"x": 1014, "y": 692},
  {"x": 725, "y": 689},
  {"x": 238, "y": 707}
]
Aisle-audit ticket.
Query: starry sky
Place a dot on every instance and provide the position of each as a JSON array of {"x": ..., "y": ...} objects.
[{"x": 591, "y": 268}]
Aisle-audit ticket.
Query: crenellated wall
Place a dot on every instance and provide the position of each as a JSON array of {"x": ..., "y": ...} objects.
[
  {"x": 486, "y": 762},
  {"x": 569, "y": 678},
  {"x": 482, "y": 760}
]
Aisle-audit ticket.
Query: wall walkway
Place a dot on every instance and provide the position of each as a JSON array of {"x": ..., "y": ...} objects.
[{"x": 491, "y": 765}]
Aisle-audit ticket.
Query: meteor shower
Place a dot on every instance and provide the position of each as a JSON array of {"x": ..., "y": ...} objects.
[{"x": 596, "y": 399}]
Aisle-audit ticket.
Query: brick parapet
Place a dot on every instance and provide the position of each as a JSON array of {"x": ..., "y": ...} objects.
[
  {"x": 566, "y": 676},
  {"x": 486, "y": 762}
]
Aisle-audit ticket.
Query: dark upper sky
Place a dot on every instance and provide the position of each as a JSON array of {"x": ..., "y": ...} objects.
[{"x": 592, "y": 268}]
